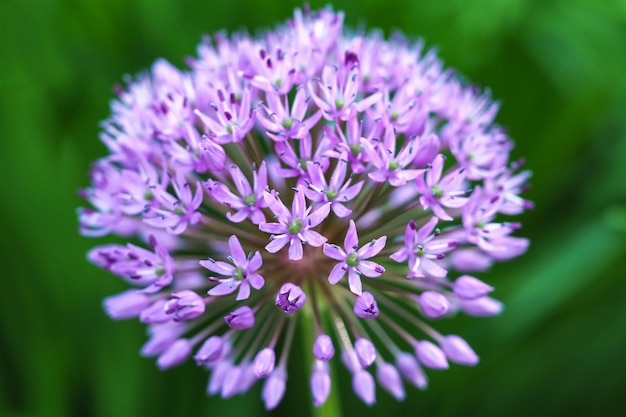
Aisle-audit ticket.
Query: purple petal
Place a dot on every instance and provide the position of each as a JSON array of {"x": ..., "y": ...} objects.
[
  {"x": 242, "y": 184},
  {"x": 295, "y": 249},
  {"x": 277, "y": 243},
  {"x": 237, "y": 251},
  {"x": 313, "y": 238},
  {"x": 431, "y": 269},
  {"x": 256, "y": 262},
  {"x": 218, "y": 267},
  {"x": 372, "y": 248},
  {"x": 277, "y": 206},
  {"x": 318, "y": 215},
  {"x": 426, "y": 229},
  {"x": 273, "y": 228},
  {"x": 256, "y": 281},
  {"x": 224, "y": 288},
  {"x": 370, "y": 269},
  {"x": 350, "y": 192},
  {"x": 244, "y": 291},
  {"x": 354, "y": 281},
  {"x": 337, "y": 273},
  {"x": 351, "y": 241},
  {"x": 334, "y": 252},
  {"x": 340, "y": 210}
]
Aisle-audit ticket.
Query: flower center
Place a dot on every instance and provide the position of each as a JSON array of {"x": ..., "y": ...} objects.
[
  {"x": 287, "y": 123},
  {"x": 420, "y": 249},
  {"x": 250, "y": 200},
  {"x": 302, "y": 163},
  {"x": 393, "y": 165},
  {"x": 238, "y": 275},
  {"x": 339, "y": 103},
  {"x": 331, "y": 194},
  {"x": 295, "y": 227},
  {"x": 352, "y": 259},
  {"x": 436, "y": 191}
]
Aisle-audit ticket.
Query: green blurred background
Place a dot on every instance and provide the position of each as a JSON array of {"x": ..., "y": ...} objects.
[{"x": 559, "y": 69}]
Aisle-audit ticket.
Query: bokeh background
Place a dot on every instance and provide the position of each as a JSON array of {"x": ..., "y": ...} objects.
[{"x": 557, "y": 66}]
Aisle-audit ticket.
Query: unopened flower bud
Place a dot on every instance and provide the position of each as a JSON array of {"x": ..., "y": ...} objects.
[
  {"x": 433, "y": 304},
  {"x": 411, "y": 370},
  {"x": 264, "y": 362},
  {"x": 210, "y": 351},
  {"x": 365, "y": 306},
  {"x": 240, "y": 319},
  {"x": 185, "y": 305},
  {"x": 174, "y": 355},
  {"x": 389, "y": 377},
  {"x": 126, "y": 305},
  {"x": 458, "y": 351},
  {"x": 290, "y": 298},
  {"x": 364, "y": 386},
  {"x": 274, "y": 388},
  {"x": 470, "y": 288},
  {"x": 430, "y": 355},
  {"x": 155, "y": 313},
  {"x": 481, "y": 307},
  {"x": 365, "y": 352},
  {"x": 320, "y": 384},
  {"x": 323, "y": 348}
]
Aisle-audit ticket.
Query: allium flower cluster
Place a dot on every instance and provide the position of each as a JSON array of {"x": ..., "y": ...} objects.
[{"x": 343, "y": 183}]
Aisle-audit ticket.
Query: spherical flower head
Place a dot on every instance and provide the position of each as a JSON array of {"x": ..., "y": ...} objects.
[{"x": 274, "y": 167}]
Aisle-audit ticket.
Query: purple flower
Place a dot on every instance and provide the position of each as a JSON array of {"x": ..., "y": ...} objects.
[
  {"x": 422, "y": 248},
  {"x": 437, "y": 192},
  {"x": 390, "y": 166},
  {"x": 249, "y": 202},
  {"x": 306, "y": 134},
  {"x": 333, "y": 191},
  {"x": 283, "y": 123},
  {"x": 354, "y": 260},
  {"x": 293, "y": 227},
  {"x": 241, "y": 275}
]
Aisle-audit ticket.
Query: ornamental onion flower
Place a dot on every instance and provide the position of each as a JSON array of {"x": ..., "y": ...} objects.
[{"x": 251, "y": 183}]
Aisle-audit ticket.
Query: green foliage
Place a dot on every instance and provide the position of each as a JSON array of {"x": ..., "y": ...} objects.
[{"x": 557, "y": 66}]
